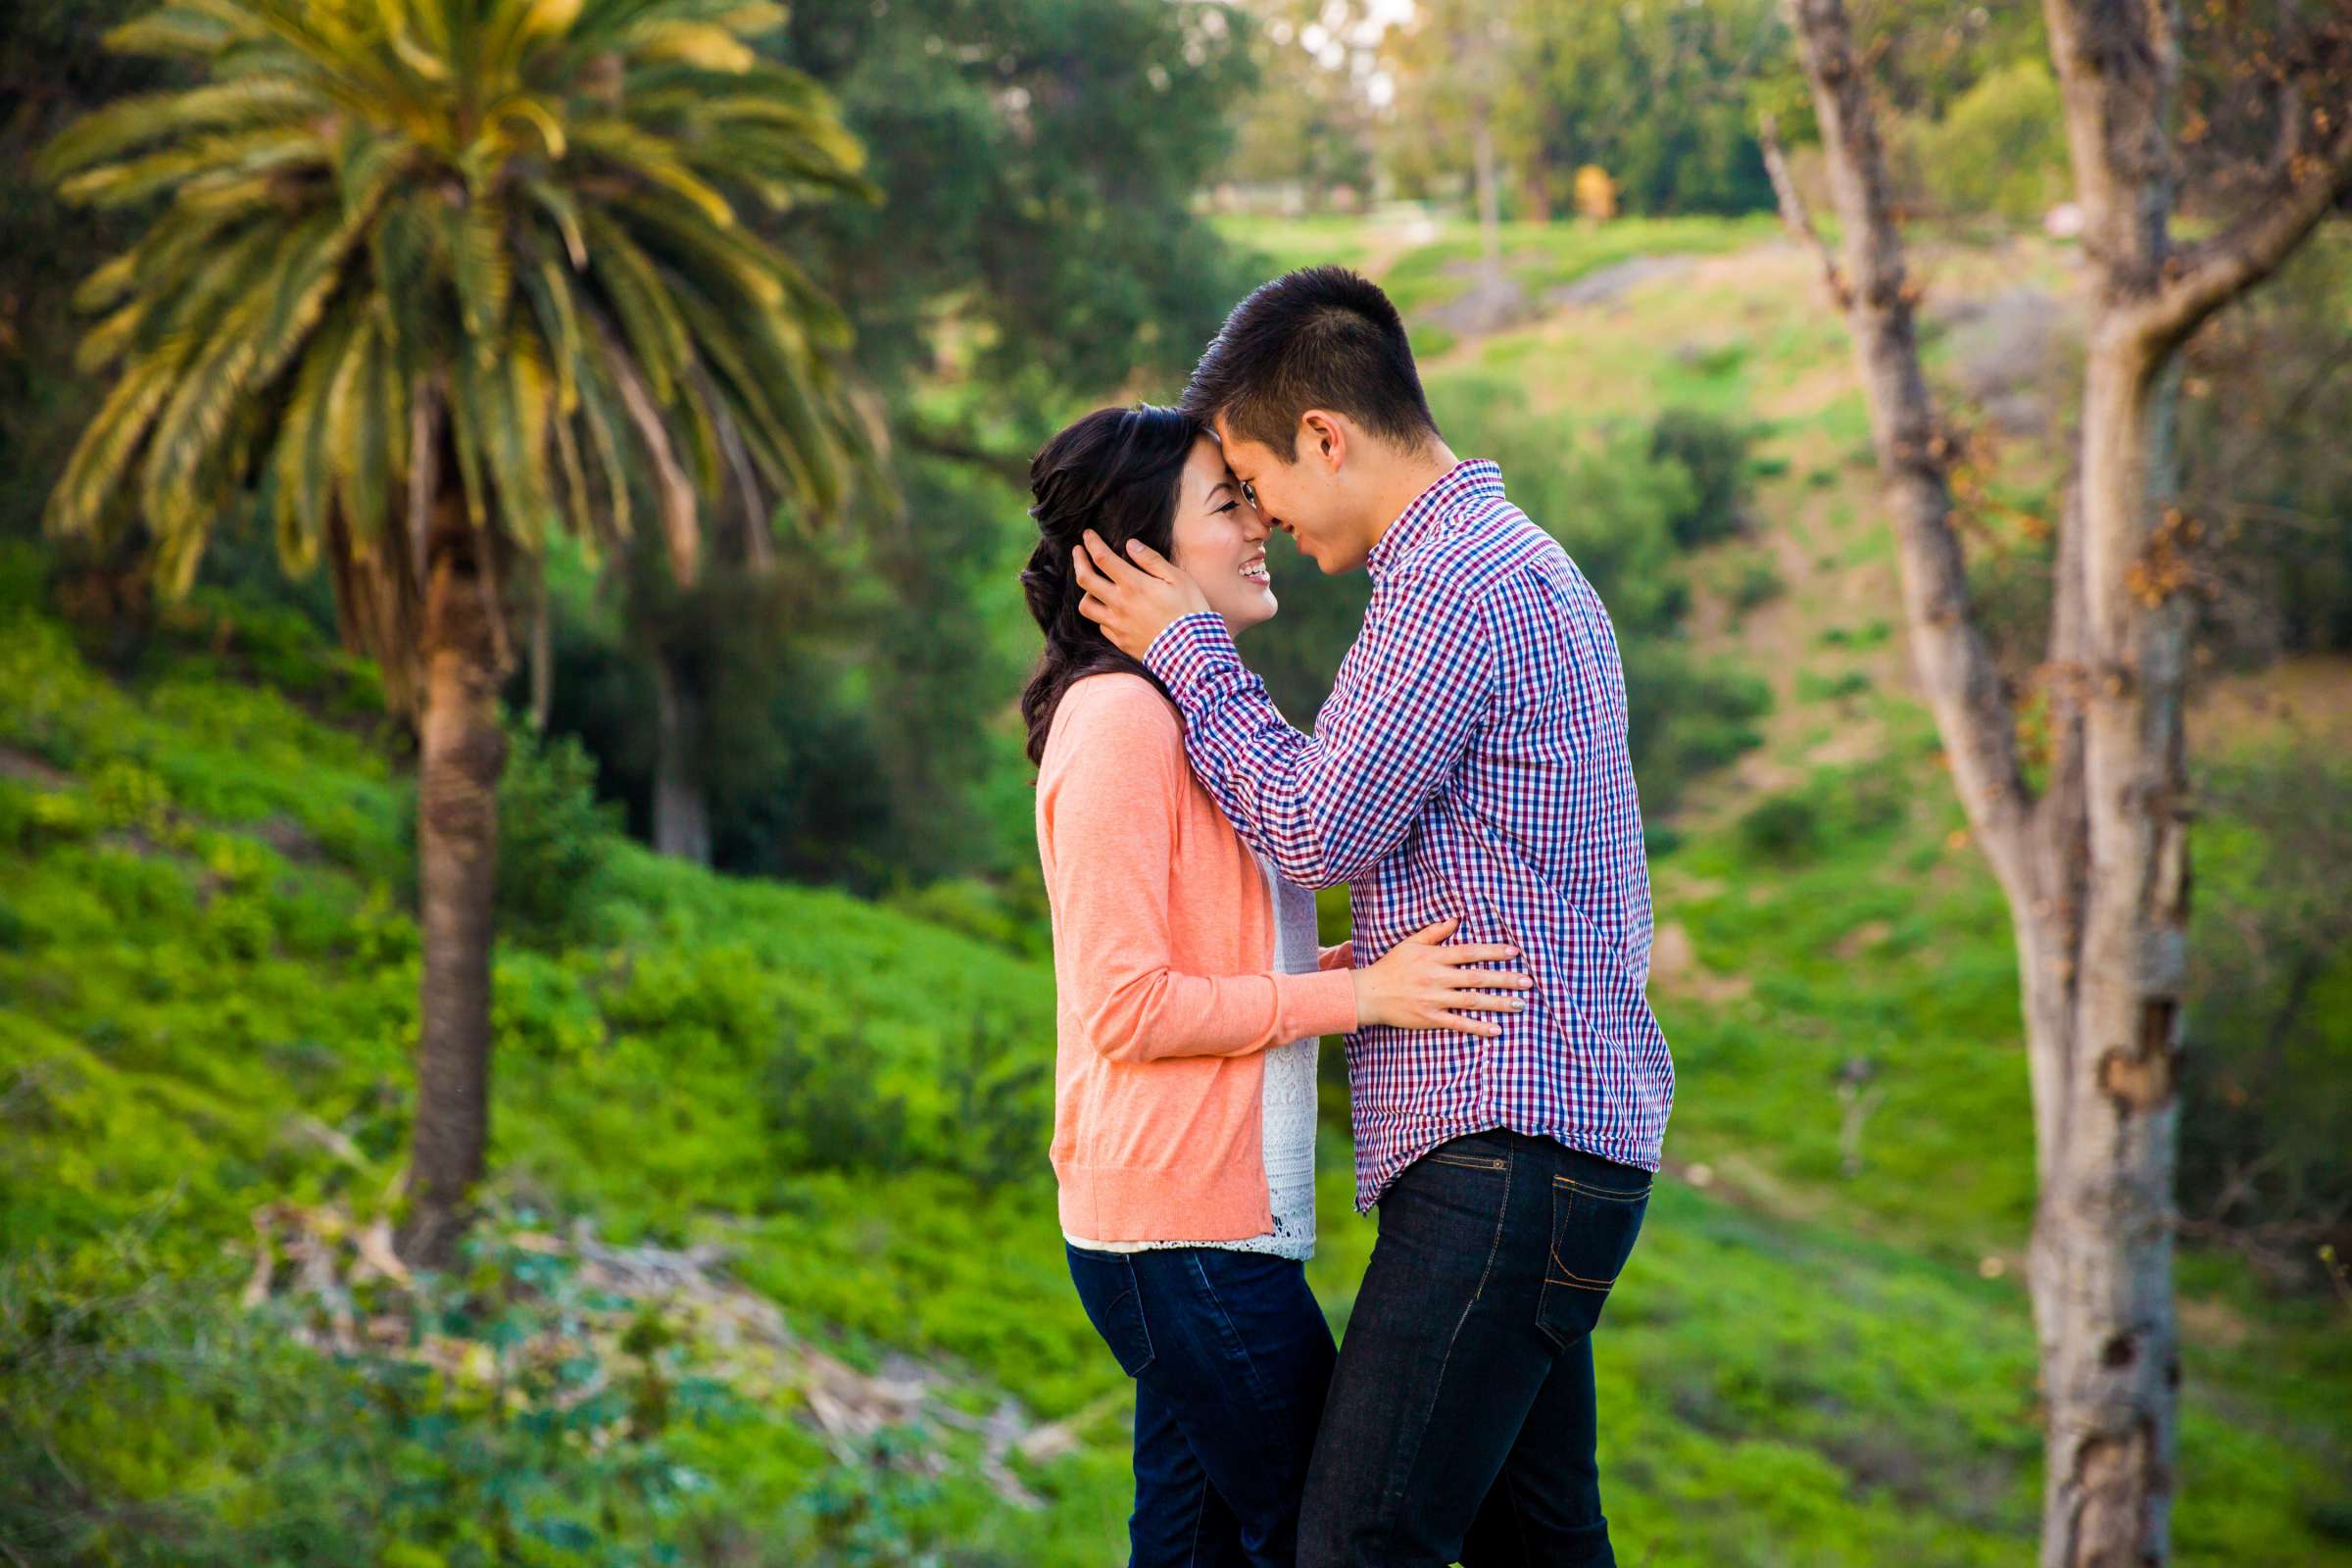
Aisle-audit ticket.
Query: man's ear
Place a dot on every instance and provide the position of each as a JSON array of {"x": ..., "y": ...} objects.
[{"x": 1323, "y": 437}]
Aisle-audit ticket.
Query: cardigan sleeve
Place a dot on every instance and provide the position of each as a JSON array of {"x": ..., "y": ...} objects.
[{"x": 1108, "y": 803}]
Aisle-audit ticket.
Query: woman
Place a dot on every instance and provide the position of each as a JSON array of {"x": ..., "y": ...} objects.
[{"x": 1192, "y": 995}]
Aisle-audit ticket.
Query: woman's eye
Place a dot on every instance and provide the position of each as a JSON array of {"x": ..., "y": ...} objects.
[{"x": 1227, "y": 507}]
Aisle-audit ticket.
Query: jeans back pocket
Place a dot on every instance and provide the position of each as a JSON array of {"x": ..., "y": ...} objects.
[
  {"x": 1593, "y": 1232},
  {"x": 1114, "y": 1305}
]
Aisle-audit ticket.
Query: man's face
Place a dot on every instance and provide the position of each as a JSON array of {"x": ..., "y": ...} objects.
[{"x": 1307, "y": 497}]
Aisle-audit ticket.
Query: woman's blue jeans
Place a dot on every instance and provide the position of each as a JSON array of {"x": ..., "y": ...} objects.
[{"x": 1231, "y": 1357}]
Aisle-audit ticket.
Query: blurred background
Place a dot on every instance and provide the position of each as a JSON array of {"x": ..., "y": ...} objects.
[{"x": 765, "y": 1266}]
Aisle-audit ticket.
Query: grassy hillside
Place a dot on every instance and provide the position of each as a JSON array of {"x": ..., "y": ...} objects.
[{"x": 718, "y": 1100}]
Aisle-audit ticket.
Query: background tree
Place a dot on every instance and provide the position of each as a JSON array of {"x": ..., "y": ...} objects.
[
  {"x": 1036, "y": 251},
  {"x": 52, "y": 68},
  {"x": 1310, "y": 126},
  {"x": 439, "y": 277},
  {"x": 1454, "y": 63},
  {"x": 1655, "y": 92},
  {"x": 1578, "y": 70},
  {"x": 2093, "y": 854}
]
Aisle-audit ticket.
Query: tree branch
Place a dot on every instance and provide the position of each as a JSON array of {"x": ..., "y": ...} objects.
[
  {"x": 680, "y": 523},
  {"x": 1974, "y": 714},
  {"x": 955, "y": 447},
  {"x": 2210, "y": 274},
  {"x": 1794, "y": 217}
]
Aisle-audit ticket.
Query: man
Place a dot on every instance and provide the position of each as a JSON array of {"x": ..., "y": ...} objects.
[{"x": 1471, "y": 762}]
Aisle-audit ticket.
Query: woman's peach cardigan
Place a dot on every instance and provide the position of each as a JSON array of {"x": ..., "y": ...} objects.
[{"x": 1163, "y": 960}]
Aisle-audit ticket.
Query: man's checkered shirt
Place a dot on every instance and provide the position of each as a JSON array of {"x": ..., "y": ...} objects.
[{"x": 1471, "y": 760}]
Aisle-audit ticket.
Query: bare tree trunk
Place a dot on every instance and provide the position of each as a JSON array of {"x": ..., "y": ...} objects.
[
  {"x": 2102, "y": 1253},
  {"x": 681, "y": 805},
  {"x": 1534, "y": 189},
  {"x": 462, "y": 752},
  {"x": 1490, "y": 194},
  {"x": 2094, "y": 864}
]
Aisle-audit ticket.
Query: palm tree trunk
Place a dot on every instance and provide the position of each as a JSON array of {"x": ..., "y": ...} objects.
[
  {"x": 681, "y": 802},
  {"x": 463, "y": 751}
]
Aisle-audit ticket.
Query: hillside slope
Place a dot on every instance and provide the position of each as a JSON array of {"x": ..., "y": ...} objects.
[{"x": 765, "y": 1098}]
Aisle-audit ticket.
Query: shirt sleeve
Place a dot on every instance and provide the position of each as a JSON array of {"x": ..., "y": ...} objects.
[
  {"x": 1325, "y": 807},
  {"x": 1109, "y": 808}
]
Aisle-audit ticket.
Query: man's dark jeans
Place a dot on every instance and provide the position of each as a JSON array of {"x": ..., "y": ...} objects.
[
  {"x": 1460, "y": 1420},
  {"x": 1231, "y": 1358}
]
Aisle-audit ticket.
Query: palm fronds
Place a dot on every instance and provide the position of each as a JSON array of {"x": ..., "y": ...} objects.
[{"x": 532, "y": 220}]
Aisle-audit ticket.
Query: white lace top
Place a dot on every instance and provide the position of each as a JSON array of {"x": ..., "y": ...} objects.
[{"x": 1287, "y": 1107}]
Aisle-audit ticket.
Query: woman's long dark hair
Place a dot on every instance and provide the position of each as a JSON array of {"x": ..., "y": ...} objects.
[{"x": 1116, "y": 471}]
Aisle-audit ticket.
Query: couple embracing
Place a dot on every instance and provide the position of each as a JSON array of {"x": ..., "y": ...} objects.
[{"x": 1468, "y": 777}]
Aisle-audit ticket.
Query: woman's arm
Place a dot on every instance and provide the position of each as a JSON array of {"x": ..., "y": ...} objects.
[{"x": 1109, "y": 805}]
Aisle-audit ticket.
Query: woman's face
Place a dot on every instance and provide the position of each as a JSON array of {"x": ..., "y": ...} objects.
[{"x": 1220, "y": 540}]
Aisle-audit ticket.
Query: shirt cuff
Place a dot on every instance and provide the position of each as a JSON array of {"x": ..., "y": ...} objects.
[{"x": 1188, "y": 650}]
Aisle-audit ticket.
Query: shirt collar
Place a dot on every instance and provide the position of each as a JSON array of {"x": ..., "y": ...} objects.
[{"x": 1471, "y": 479}]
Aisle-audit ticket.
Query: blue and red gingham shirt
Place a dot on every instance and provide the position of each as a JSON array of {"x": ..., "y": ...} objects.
[{"x": 1471, "y": 760}]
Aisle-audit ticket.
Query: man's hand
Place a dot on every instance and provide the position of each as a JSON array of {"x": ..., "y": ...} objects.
[{"x": 1135, "y": 599}]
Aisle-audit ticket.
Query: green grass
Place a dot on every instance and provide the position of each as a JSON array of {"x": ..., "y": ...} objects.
[
  {"x": 1428, "y": 265},
  {"x": 1807, "y": 1368}
]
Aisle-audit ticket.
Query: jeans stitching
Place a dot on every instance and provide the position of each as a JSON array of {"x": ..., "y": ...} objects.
[
  {"x": 1142, "y": 1325},
  {"x": 1395, "y": 1494},
  {"x": 1233, "y": 1335},
  {"x": 1620, "y": 1195},
  {"x": 1558, "y": 1224}
]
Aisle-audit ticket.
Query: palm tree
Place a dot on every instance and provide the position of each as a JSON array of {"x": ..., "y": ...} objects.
[{"x": 435, "y": 277}]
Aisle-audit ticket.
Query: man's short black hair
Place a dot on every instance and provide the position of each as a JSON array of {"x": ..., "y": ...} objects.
[{"x": 1321, "y": 337}]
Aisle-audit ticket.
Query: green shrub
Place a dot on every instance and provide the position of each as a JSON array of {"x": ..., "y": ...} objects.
[
  {"x": 554, "y": 838},
  {"x": 2266, "y": 1090},
  {"x": 1813, "y": 688},
  {"x": 145, "y": 1419},
  {"x": 15, "y": 813},
  {"x": 1714, "y": 452},
  {"x": 125, "y": 795},
  {"x": 1782, "y": 827},
  {"x": 1754, "y": 580},
  {"x": 881, "y": 1508},
  {"x": 1012, "y": 916},
  {"x": 1871, "y": 635},
  {"x": 50, "y": 701},
  {"x": 62, "y": 816},
  {"x": 825, "y": 1109},
  {"x": 1002, "y": 1094},
  {"x": 1688, "y": 717},
  {"x": 2000, "y": 149}
]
